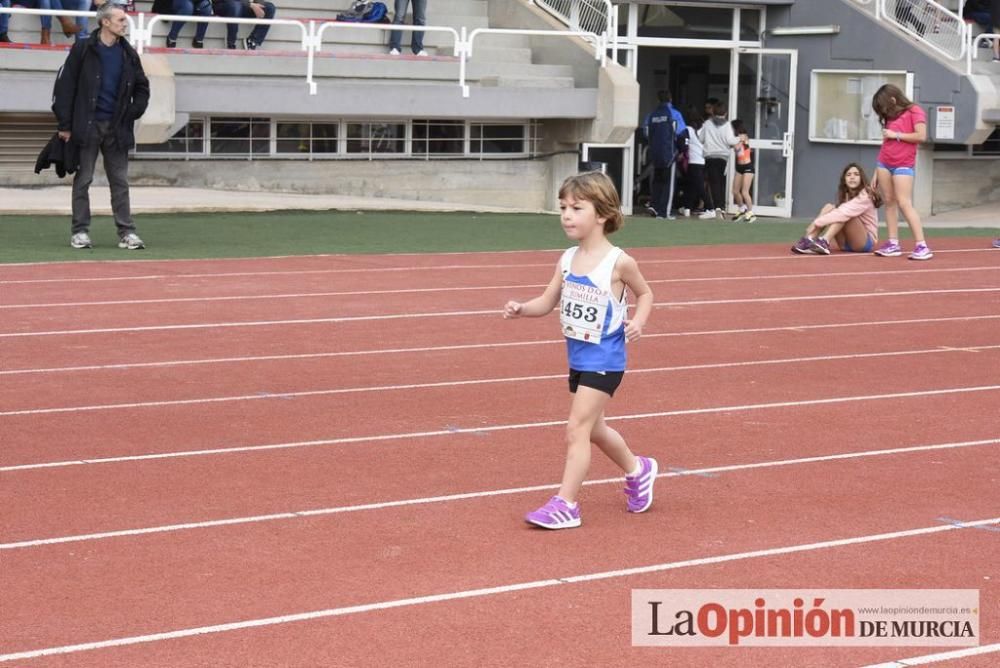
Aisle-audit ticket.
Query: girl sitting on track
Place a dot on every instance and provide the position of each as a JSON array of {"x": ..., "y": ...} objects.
[
  {"x": 589, "y": 287},
  {"x": 853, "y": 223}
]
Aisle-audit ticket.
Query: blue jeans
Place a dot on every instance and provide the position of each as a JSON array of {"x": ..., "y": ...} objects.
[
  {"x": 189, "y": 8},
  {"x": 237, "y": 9},
  {"x": 46, "y": 21},
  {"x": 4, "y": 18},
  {"x": 76, "y": 6},
  {"x": 419, "y": 19}
]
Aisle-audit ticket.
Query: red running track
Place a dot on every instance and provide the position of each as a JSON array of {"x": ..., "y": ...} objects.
[{"x": 763, "y": 368}]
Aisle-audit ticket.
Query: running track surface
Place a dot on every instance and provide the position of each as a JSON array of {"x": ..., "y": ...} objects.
[{"x": 325, "y": 461}]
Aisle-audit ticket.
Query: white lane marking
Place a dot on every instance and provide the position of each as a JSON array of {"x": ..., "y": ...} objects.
[
  {"x": 475, "y": 346},
  {"x": 493, "y": 312},
  {"x": 453, "y": 431},
  {"x": 706, "y": 471},
  {"x": 259, "y": 396},
  {"x": 939, "y": 657},
  {"x": 487, "y": 591},
  {"x": 375, "y": 267},
  {"x": 371, "y": 293}
]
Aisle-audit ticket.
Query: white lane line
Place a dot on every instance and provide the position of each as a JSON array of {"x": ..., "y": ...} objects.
[
  {"x": 454, "y": 431},
  {"x": 258, "y": 396},
  {"x": 372, "y": 293},
  {"x": 488, "y": 591},
  {"x": 338, "y": 510},
  {"x": 939, "y": 657},
  {"x": 375, "y": 267},
  {"x": 492, "y": 312},
  {"x": 478, "y": 346}
]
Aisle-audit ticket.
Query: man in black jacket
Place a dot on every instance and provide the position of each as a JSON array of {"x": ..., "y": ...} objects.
[{"x": 100, "y": 91}]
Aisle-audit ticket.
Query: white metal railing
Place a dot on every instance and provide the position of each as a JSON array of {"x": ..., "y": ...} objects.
[
  {"x": 933, "y": 24},
  {"x": 141, "y": 26},
  {"x": 970, "y": 53},
  {"x": 597, "y": 16}
]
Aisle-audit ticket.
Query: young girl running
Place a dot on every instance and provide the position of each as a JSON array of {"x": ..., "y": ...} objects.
[
  {"x": 744, "y": 174},
  {"x": 853, "y": 223},
  {"x": 589, "y": 287},
  {"x": 904, "y": 125}
]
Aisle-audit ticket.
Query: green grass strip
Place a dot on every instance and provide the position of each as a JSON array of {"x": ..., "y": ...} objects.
[{"x": 217, "y": 235}]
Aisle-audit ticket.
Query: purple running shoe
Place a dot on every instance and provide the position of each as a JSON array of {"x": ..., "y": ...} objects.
[
  {"x": 802, "y": 246},
  {"x": 639, "y": 489},
  {"x": 556, "y": 514},
  {"x": 889, "y": 249},
  {"x": 921, "y": 252},
  {"x": 820, "y": 246}
]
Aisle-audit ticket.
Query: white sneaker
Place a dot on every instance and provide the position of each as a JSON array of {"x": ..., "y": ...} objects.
[
  {"x": 707, "y": 215},
  {"x": 131, "y": 241},
  {"x": 80, "y": 240},
  {"x": 422, "y": 53},
  {"x": 394, "y": 52},
  {"x": 684, "y": 211}
]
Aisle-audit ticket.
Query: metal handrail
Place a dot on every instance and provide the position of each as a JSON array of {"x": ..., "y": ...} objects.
[
  {"x": 142, "y": 24},
  {"x": 558, "y": 9},
  {"x": 940, "y": 12},
  {"x": 972, "y": 51}
]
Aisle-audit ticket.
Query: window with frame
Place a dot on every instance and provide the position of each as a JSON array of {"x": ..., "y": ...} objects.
[
  {"x": 189, "y": 140},
  {"x": 438, "y": 138},
  {"x": 488, "y": 138},
  {"x": 239, "y": 136},
  {"x": 376, "y": 137},
  {"x": 840, "y": 109},
  {"x": 305, "y": 138}
]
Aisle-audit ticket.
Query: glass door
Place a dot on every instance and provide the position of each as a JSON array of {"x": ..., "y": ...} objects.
[{"x": 765, "y": 102}]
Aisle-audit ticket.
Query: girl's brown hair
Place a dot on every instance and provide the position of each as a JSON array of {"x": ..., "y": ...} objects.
[
  {"x": 889, "y": 102},
  {"x": 596, "y": 188},
  {"x": 844, "y": 193}
]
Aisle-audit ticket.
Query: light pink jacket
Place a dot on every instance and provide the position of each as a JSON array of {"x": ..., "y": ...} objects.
[{"x": 860, "y": 207}]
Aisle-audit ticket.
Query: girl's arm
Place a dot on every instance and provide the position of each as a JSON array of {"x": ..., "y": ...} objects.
[
  {"x": 918, "y": 136},
  {"x": 628, "y": 270},
  {"x": 852, "y": 208},
  {"x": 541, "y": 305}
]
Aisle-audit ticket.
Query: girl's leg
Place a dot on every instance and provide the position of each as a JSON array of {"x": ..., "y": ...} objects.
[
  {"x": 813, "y": 228},
  {"x": 885, "y": 183},
  {"x": 738, "y": 189},
  {"x": 745, "y": 190},
  {"x": 853, "y": 232},
  {"x": 613, "y": 445},
  {"x": 586, "y": 410},
  {"x": 903, "y": 186}
]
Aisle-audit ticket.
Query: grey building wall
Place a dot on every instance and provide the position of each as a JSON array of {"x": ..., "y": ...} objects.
[{"x": 861, "y": 44}]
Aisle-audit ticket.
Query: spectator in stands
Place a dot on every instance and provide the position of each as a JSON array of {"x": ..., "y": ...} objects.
[
  {"x": 978, "y": 11},
  {"x": 995, "y": 16},
  {"x": 419, "y": 19},
  {"x": 185, "y": 8},
  {"x": 68, "y": 26},
  {"x": 4, "y": 22},
  {"x": 81, "y": 21},
  {"x": 245, "y": 9},
  {"x": 127, "y": 5},
  {"x": 100, "y": 91}
]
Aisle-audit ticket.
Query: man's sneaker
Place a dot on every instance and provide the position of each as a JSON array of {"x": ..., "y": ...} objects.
[
  {"x": 171, "y": 43},
  {"x": 820, "y": 246},
  {"x": 803, "y": 247},
  {"x": 684, "y": 211},
  {"x": 80, "y": 240},
  {"x": 249, "y": 44},
  {"x": 639, "y": 489},
  {"x": 130, "y": 241},
  {"x": 393, "y": 52},
  {"x": 996, "y": 243},
  {"x": 921, "y": 252},
  {"x": 889, "y": 249},
  {"x": 707, "y": 215},
  {"x": 556, "y": 514},
  {"x": 652, "y": 211},
  {"x": 421, "y": 54}
]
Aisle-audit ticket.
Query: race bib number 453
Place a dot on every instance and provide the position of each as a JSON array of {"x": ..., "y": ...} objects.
[{"x": 582, "y": 311}]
